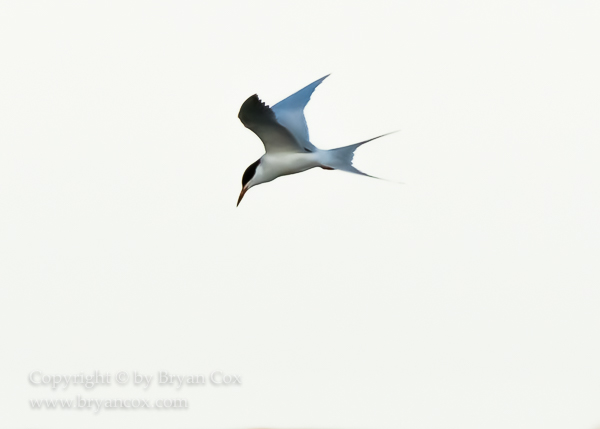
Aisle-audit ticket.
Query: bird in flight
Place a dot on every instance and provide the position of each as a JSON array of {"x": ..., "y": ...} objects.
[{"x": 283, "y": 130}]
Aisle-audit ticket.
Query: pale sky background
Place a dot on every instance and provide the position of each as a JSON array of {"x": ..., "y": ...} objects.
[{"x": 467, "y": 297}]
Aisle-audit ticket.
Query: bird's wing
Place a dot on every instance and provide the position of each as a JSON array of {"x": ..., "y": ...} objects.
[
  {"x": 259, "y": 118},
  {"x": 290, "y": 113}
]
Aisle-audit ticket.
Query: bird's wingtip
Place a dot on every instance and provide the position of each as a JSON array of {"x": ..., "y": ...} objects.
[{"x": 321, "y": 79}]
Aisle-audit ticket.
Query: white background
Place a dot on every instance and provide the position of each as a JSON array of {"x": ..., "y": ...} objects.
[{"x": 467, "y": 297}]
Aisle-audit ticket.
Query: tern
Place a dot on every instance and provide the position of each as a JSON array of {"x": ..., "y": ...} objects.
[{"x": 284, "y": 133}]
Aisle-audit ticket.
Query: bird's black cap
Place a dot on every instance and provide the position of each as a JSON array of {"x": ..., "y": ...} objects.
[{"x": 249, "y": 173}]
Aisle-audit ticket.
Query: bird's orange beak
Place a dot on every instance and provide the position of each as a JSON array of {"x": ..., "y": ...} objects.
[{"x": 244, "y": 190}]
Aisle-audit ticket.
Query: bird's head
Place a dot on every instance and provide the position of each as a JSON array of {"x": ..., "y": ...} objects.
[{"x": 250, "y": 178}]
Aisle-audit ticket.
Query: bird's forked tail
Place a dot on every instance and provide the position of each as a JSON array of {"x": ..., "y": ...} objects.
[{"x": 341, "y": 158}]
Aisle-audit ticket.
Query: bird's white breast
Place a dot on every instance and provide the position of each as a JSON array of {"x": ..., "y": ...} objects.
[{"x": 284, "y": 163}]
